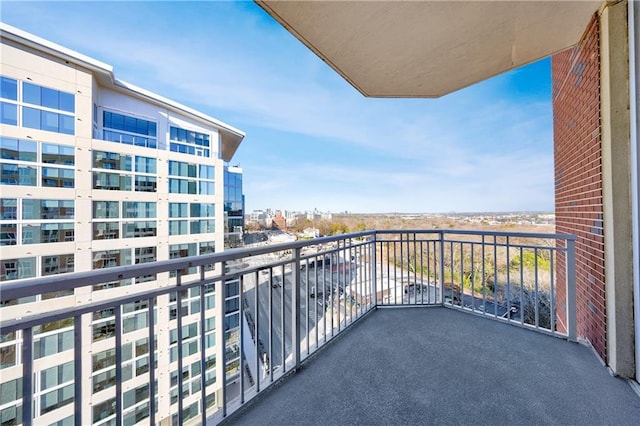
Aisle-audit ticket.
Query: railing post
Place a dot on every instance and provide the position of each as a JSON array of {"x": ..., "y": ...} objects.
[
  {"x": 220, "y": 301},
  {"x": 374, "y": 271},
  {"x": 570, "y": 268},
  {"x": 77, "y": 370},
  {"x": 295, "y": 309},
  {"x": 441, "y": 267}
]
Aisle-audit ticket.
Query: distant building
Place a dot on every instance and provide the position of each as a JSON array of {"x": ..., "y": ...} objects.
[
  {"x": 233, "y": 207},
  {"x": 279, "y": 222}
]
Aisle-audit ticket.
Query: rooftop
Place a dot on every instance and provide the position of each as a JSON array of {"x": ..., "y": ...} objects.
[{"x": 439, "y": 366}]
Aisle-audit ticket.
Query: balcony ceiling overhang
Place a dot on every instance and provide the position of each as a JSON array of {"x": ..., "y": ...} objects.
[{"x": 430, "y": 48}]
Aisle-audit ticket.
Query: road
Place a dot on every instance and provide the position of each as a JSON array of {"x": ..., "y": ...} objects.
[{"x": 317, "y": 287}]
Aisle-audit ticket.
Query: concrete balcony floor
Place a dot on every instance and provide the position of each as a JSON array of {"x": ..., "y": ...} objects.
[{"x": 440, "y": 366}]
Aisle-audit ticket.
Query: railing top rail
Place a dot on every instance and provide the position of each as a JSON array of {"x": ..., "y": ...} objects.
[
  {"x": 23, "y": 288},
  {"x": 14, "y": 290},
  {"x": 566, "y": 237}
]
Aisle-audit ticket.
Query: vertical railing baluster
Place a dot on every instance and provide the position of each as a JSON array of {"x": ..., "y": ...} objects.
[
  {"x": 118, "y": 342},
  {"x": 570, "y": 262},
  {"x": 241, "y": 323},
  {"x": 473, "y": 279},
  {"x": 522, "y": 286},
  {"x": 536, "y": 292},
  {"x": 283, "y": 317},
  {"x": 223, "y": 338},
  {"x": 316, "y": 283},
  {"x": 270, "y": 283},
  {"x": 484, "y": 278},
  {"x": 152, "y": 362},
  {"x": 451, "y": 269},
  {"x": 441, "y": 268},
  {"x": 306, "y": 300},
  {"x": 203, "y": 346},
  {"x": 179, "y": 348},
  {"x": 324, "y": 297},
  {"x": 77, "y": 370},
  {"x": 508, "y": 267},
  {"x": 552, "y": 294},
  {"x": 256, "y": 322},
  {"x": 462, "y": 275},
  {"x": 295, "y": 306},
  {"x": 373, "y": 275},
  {"x": 495, "y": 275},
  {"x": 395, "y": 271},
  {"x": 27, "y": 374}
]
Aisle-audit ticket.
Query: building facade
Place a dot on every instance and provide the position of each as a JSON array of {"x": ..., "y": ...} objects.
[
  {"x": 233, "y": 207},
  {"x": 97, "y": 173}
]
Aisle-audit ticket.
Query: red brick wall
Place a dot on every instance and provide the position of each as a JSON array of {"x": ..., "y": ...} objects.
[{"x": 578, "y": 178}]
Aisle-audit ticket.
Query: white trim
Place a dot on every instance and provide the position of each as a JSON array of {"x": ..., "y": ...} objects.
[{"x": 634, "y": 94}]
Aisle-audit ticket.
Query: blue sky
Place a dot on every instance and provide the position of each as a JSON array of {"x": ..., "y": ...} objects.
[{"x": 312, "y": 140}]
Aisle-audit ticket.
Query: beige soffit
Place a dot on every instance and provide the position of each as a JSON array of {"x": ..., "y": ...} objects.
[{"x": 430, "y": 48}]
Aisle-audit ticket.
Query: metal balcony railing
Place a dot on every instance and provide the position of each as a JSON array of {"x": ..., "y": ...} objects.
[{"x": 145, "y": 342}]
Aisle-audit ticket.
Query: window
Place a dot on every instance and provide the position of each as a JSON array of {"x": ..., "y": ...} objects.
[
  {"x": 111, "y": 181},
  {"x": 53, "y": 344},
  {"x": 183, "y": 250},
  {"x": 57, "y": 154},
  {"x": 111, "y": 258},
  {"x": 206, "y": 172},
  {"x": 10, "y": 391},
  {"x": 104, "y": 409},
  {"x": 178, "y": 168},
  {"x": 145, "y": 255},
  {"x": 189, "y": 142},
  {"x": 8, "y": 208},
  {"x": 58, "y": 264},
  {"x": 12, "y": 174},
  {"x": 18, "y": 149},
  {"x": 9, "y": 110},
  {"x": 8, "y": 234},
  {"x": 111, "y": 161},
  {"x": 8, "y": 114},
  {"x": 202, "y": 210},
  {"x": 44, "y": 108},
  {"x": 106, "y": 230},
  {"x": 128, "y": 130},
  {"x": 146, "y": 183},
  {"x": 139, "y": 229},
  {"x": 47, "y": 209},
  {"x": 47, "y": 120},
  {"x": 177, "y": 209},
  {"x": 178, "y": 227},
  {"x": 13, "y": 269},
  {"x": 48, "y": 98},
  {"x": 202, "y": 226},
  {"x": 182, "y": 186},
  {"x": 58, "y": 178},
  {"x": 8, "y": 88},
  {"x": 139, "y": 209},
  {"x": 104, "y": 359},
  {"x": 145, "y": 165},
  {"x": 135, "y": 396},
  {"x": 106, "y": 209},
  {"x": 54, "y": 376},
  {"x": 104, "y": 380},
  {"x": 47, "y": 233}
]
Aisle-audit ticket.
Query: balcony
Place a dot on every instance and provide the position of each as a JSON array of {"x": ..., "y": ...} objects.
[{"x": 487, "y": 334}]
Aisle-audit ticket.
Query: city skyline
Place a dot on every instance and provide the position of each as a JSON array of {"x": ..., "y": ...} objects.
[{"x": 312, "y": 140}]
